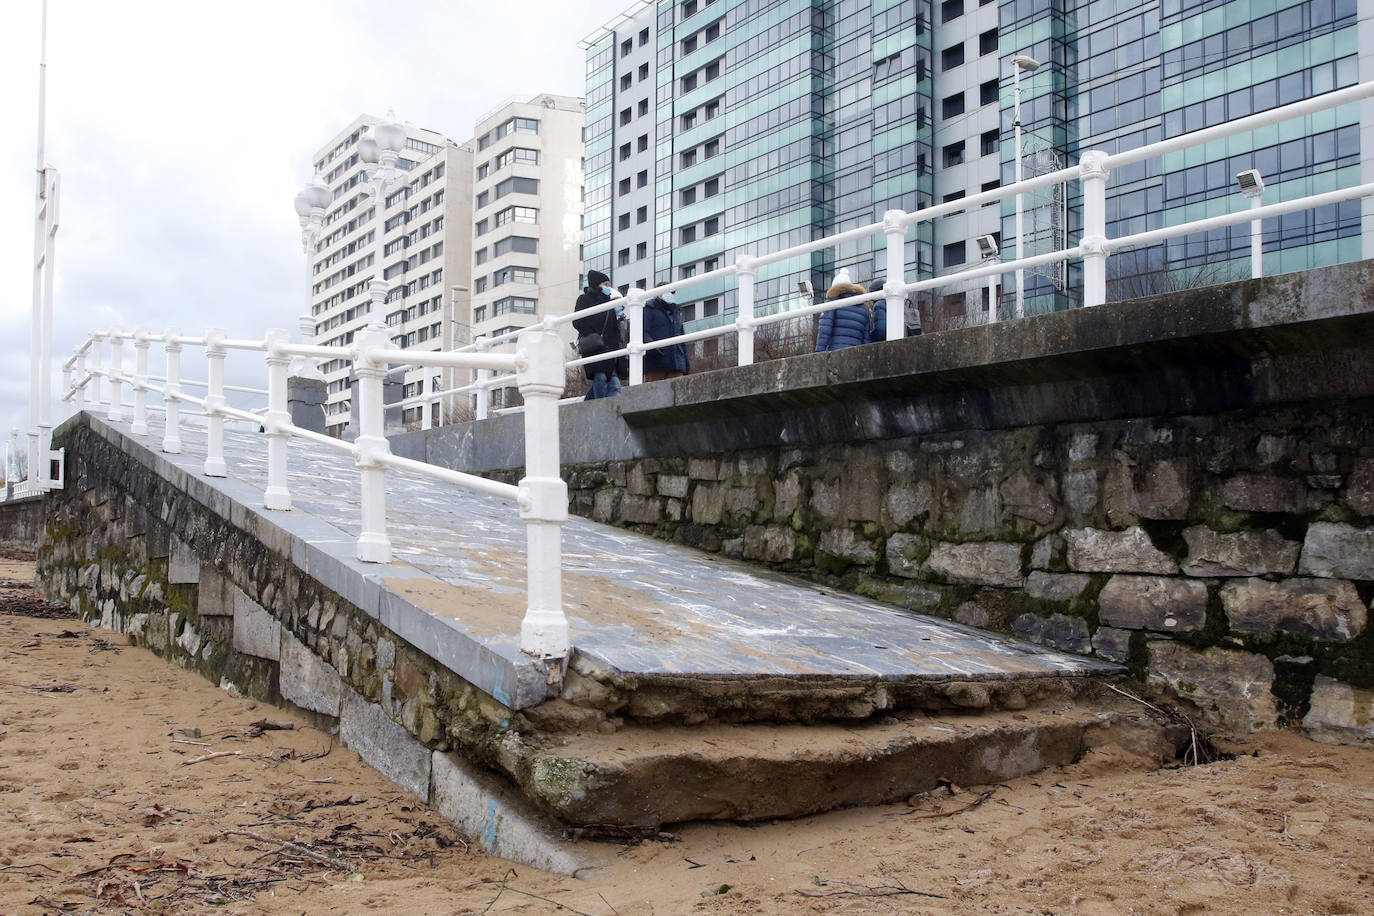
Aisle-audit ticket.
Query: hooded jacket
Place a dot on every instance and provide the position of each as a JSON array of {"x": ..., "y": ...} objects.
[
  {"x": 850, "y": 325},
  {"x": 603, "y": 323},
  {"x": 663, "y": 319}
]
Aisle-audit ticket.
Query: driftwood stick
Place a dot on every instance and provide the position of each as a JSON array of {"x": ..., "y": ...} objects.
[
  {"x": 295, "y": 848},
  {"x": 212, "y": 757}
]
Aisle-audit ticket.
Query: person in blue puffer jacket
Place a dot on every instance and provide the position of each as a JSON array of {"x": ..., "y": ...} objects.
[
  {"x": 854, "y": 324},
  {"x": 662, "y": 320}
]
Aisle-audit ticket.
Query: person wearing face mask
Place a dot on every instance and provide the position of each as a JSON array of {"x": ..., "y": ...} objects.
[
  {"x": 600, "y": 333},
  {"x": 663, "y": 319}
]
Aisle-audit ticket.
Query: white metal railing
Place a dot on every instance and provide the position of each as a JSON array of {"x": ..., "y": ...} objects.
[
  {"x": 1093, "y": 248},
  {"x": 536, "y": 366}
]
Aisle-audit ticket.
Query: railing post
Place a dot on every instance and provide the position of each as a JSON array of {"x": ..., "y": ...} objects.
[
  {"x": 893, "y": 289},
  {"x": 140, "y": 385},
  {"x": 543, "y": 494},
  {"x": 634, "y": 307},
  {"x": 1093, "y": 176},
  {"x": 371, "y": 444},
  {"x": 214, "y": 403},
  {"x": 116, "y": 411},
  {"x": 171, "y": 391},
  {"x": 482, "y": 392},
  {"x": 79, "y": 402},
  {"x": 278, "y": 418},
  {"x": 97, "y": 357},
  {"x": 67, "y": 393},
  {"x": 746, "y": 269}
]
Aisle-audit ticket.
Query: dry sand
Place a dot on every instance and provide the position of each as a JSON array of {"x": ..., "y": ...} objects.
[{"x": 111, "y": 802}]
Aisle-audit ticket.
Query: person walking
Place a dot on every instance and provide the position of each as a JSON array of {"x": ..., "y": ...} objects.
[
  {"x": 662, "y": 320},
  {"x": 600, "y": 333},
  {"x": 850, "y": 325}
]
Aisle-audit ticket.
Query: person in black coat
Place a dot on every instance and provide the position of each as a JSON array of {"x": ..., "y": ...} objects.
[
  {"x": 663, "y": 319},
  {"x": 606, "y": 375}
]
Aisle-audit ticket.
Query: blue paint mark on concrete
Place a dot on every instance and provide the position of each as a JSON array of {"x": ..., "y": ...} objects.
[{"x": 489, "y": 835}]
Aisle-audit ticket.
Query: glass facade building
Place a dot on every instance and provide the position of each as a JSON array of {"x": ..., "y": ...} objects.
[{"x": 730, "y": 127}]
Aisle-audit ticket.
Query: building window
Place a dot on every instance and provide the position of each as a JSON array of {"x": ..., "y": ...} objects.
[
  {"x": 515, "y": 243},
  {"x": 624, "y": 221},
  {"x": 955, "y": 253},
  {"x": 642, "y": 179},
  {"x": 643, "y": 107},
  {"x": 643, "y": 37},
  {"x": 952, "y": 57},
  {"x": 482, "y": 200},
  {"x": 642, "y": 215},
  {"x": 625, "y": 116},
  {"x": 990, "y": 186},
  {"x": 988, "y": 93},
  {"x": 641, "y": 251},
  {"x": 627, "y": 46},
  {"x": 989, "y": 143},
  {"x": 951, "y": 9},
  {"x": 643, "y": 143},
  {"x": 987, "y": 42},
  {"x": 711, "y": 188},
  {"x": 952, "y": 106},
  {"x": 689, "y": 120},
  {"x": 643, "y": 72},
  {"x": 954, "y": 154},
  {"x": 687, "y": 235},
  {"x": 624, "y": 151},
  {"x": 688, "y": 45},
  {"x": 622, "y": 257},
  {"x": 687, "y": 197},
  {"x": 952, "y": 196},
  {"x": 711, "y": 226},
  {"x": 711, "y": 148},
  {"x": 689, "y": 82},
  {"x": 687, "y": 270},
  {"x": 624, "y": 186},
  {"x": 626, "y": 81},
  {"x": 689, "y": 8},
  {"x": 479, "y": 256}
]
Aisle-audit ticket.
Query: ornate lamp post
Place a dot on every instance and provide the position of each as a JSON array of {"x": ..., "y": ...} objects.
[
  {"x": 310, "y": 206},
  {"x": 378, "y": 150}
]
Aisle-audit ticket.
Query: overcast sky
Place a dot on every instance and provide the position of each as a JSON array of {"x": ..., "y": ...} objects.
[{"x": 183, "y": 131}]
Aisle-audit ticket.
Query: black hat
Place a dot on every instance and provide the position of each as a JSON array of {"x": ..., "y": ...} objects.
[{"x": 595, "y": 278}]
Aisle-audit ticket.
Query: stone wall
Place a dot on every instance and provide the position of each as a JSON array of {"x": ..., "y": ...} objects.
[
  {"x": 201, "y": 578},
  {"x": 21, "y": 522},
  {"x": 1184, "y": 484}
]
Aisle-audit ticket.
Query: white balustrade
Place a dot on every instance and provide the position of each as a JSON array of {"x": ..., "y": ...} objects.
[
  {"x": 171, "y": 392},
  {"x": 277, "y": 421},
  {"x": 214, "y": 403},
  {"x": 140, "y": 382},
  {"x": 116, "y": 374}
]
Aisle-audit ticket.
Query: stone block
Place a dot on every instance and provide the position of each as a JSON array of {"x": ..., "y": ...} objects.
[
  {"x": 384, "y": 745},
  {"x": 1080, "y": 490},
  {"x": 1028, "y": 499},
  {"x": 1153, "y": 603},
  {"x": 215, "y": 596},
  {"x": 1340, "y": 713},
  {"x": 703, "y": 469},
  {"x": 1082, "y": 446},
  {"x": 845, "y": 544},
  {"x": 1244, "y": 553},
  {"x": 741, "y": 500},
  {"x": 980, "y": 513},
  {"x": 642, "y": 510},
  {"x": 1056, "y": 587},
  {"x": 770, "y": 543},
  {"x": 708, "y": 504},
  {"x": 637, "y": 483},
  {"x": 1325, "y": 609},
  {"x": 674, "y": 485},
  {"x": 1231, "y": 690},
  {"x": 905, "y": 553},
  {"x": 1060, "y": 631},
  {"x": 1264, "y": 493},
  {"x": 502, "y": 822},
  {"x": 990, "y": 563},
  {"x": 256, "y": 632},
  {"x": 1163, "y": 491},
  {"x": 183, "y": 566},
  {"x": 1359, "y": 487},
  {"x": 1110, "y": 642},
  {"x": 826, "y": 500},
  {"x": 904, "y": 503},
  {"x": 307, "y": 680},
  {"x": 605, "y": 504},
  {"x": 1338, "y": 551},
  {"x": 972, "y": 615},
  {"x": 786, "y": 495},
  {"x": 1129, "y": 551}
]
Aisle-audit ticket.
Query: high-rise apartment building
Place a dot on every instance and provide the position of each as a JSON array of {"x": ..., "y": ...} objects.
[
  {"x": 760, "y": 124},
  {"x": 426, "y": 224},
  {"x": 527, "y": 215}
]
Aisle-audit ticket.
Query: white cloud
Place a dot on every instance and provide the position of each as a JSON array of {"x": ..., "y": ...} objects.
[{"x": 183, "y": 131}]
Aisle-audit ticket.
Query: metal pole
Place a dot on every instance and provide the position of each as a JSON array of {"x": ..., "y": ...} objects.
[
  {"x": 1093, "y": 178},
  {"x": 1256, "y": 241},
  {"x": 1020, "y": 239}
]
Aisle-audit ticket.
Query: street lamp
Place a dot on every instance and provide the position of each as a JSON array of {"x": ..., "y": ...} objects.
[
  {"x": 378, "y": 150},
  {"x": 1030, "y": 65},
  {"x": 1252, "y": 186},
  {"x": 987, "y": 247},
  {"x": 310, "y": 205}
]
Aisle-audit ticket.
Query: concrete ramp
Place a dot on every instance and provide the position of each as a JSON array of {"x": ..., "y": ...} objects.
[{"x": 708, "y": 669}]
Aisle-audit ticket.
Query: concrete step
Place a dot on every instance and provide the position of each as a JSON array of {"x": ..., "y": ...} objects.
[{"x": 643, "y": 777}]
